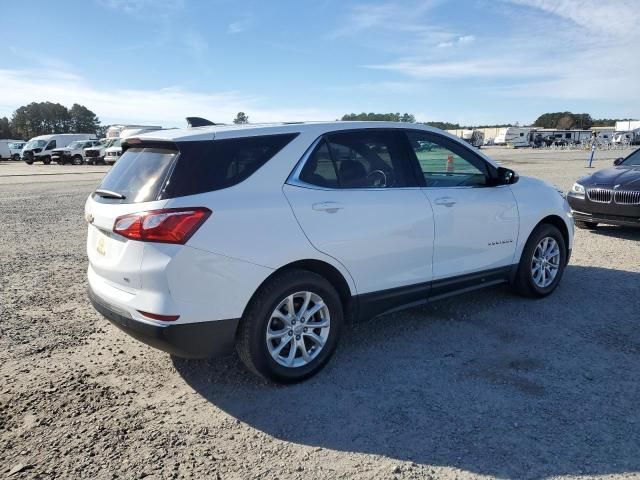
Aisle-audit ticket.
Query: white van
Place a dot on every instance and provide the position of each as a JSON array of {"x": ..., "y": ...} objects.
[
  {"x": 5, "y": 148},
  {"x": 39, "y": 149}
]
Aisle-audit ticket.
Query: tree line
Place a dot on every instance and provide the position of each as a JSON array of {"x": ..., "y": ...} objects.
[{"x": 41, "y": 118}]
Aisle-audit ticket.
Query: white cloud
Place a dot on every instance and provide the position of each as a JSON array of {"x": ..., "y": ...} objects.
[
  {"x": 462, "y": 40},
  {"x": 239, "y": 26},
  {"x": 136, "y": 6},
  {"x": 165, "y": 106}
]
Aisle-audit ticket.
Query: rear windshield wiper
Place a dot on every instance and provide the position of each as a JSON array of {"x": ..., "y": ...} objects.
[{"x": 109, "y": 194}]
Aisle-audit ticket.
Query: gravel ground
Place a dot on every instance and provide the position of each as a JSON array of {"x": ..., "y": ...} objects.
[{"x": 483, "y": 385}]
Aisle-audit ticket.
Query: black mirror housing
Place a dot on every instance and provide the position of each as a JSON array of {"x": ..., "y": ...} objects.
[
  {"x": 506, "y": 176},
  {"x": 618, "y": 161}
]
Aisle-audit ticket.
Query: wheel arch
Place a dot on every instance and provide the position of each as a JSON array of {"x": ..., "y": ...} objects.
[
  {"x": 325, "y": 270},
  {"x": 561, "y": 225}
]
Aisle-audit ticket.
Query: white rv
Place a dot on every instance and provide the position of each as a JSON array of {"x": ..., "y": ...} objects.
[
  {"x": 39, "y": 149},
  {"x": 513, "y": 136},
  {"x": 115, "y": 131},
  {"x": 112, "y": 154},
  {"x": 631, "y": 137},
  {"x": 472, "y": 136},
  {"x": 5, "y": 148},
  {"x": 557, "y": 137}
]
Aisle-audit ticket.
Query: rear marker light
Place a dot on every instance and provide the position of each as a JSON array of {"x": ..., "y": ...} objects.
[
  {"x": 169, "y": 225},
  {"x": 163, "y": 318}
]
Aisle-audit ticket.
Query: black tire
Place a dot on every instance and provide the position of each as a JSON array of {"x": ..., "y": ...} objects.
[
  {"x": 77, "y": 160},
  {"x": 250, "y": 339},
  {"x": 46, "y": 160},
  {"x": 29, "y": 162},
  {"x": 16, "y": 157},
  {"x": 586, "y": 225},
  {"x": 523, "y": 283}
]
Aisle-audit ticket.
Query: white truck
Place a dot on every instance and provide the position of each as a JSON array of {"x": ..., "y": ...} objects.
[
  {"x": 6, "y": 148},
  {"x": 72, "y": 153},
  {"x": 632, "y": 137},
  {"x": 95, "y": 155},
  {"x": 40, "y": 148}
]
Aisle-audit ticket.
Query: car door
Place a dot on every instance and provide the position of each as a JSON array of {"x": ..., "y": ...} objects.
[
  {"x": 356, "y": 198},
  {"x": 476, "y": 221}
]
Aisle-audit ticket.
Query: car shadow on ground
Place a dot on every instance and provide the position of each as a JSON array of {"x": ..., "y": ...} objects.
[
  {"x": 488, "y": 382},
  {"x": 626, "y": 233}
]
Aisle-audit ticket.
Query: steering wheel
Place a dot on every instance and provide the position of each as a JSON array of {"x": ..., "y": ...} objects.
[{"x": 377, "y": 178}]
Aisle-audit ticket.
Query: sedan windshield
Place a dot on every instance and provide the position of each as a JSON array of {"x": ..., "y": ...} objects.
[{"x": 632, "y": 160}]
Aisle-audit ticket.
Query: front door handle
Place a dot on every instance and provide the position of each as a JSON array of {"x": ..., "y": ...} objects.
[
  {"x": 446, "y": 201},
  {"x": 329, "y": 207}
]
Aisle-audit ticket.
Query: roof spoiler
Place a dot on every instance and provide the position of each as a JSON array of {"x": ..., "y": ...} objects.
[{"x": 199, "y": 122}]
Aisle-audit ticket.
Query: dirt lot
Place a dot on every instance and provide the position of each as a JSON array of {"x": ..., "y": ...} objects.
[{"x": 484, "y": 385}]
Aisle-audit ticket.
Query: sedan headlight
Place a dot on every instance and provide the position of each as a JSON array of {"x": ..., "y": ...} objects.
[{"x": 577, "y": 189}]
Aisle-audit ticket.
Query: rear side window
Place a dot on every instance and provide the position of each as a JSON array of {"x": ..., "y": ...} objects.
[
  {"x": 208, "y": 166},
  {"x": 145, "y": 174},
  {"x": 139, "y": 174}
]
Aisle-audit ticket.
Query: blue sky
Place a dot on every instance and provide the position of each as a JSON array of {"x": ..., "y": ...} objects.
[{"x": 471, "y": 61}]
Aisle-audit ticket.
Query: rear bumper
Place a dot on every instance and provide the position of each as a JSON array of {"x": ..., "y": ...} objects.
[{"x": 189, "y": 340}]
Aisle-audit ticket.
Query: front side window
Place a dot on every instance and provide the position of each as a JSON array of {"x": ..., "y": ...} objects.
[
  {"x": 359, "y": 159},
  {"x": 445, "y": 163},
  {"x": 51, "y": 145}
]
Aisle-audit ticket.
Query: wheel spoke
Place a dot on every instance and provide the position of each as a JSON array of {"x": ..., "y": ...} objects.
[
  {"x": 303, "y": 351},
  {"x": 305, "y": 305},
  {"x": 276, "y": 351},
  {"x": 313, "y": 310},
  {"x": 275, "y": 334},
  {"x": 320, "y": 324},
  {"x": 316, "y": 338},
  {"x": 290, "y": 308},
  {"x": 281, "y": 316},
  {"x": 292, "y": 352}
]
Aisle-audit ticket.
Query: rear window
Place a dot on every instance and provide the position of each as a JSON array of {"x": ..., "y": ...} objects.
[{"x": 144, "y": 174}]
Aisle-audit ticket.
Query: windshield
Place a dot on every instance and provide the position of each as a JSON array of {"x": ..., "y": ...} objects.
[
  {"x": 632, "y": 160},
  {"x": 36, "y": 144},
  {"x": 115, "y": 143},
  {"x": 16, "y": 145},
  {"x": 74, "y": 145}
]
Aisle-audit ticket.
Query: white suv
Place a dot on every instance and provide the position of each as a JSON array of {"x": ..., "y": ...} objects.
[{"x": 268, "y": 237}]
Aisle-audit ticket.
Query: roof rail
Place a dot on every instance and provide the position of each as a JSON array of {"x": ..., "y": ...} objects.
[{"x": 199, "y": 122}]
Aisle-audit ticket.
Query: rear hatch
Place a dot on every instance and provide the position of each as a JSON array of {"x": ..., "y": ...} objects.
[{"x": 132, "y": 185}]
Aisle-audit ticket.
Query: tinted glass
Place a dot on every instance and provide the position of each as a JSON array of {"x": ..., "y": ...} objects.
[
  {"x": 446, "y": 164},
  {"x": 51, "y": 145},
  {"x": 319, "y": 169},
  {"x": 633, "y": 159},
  {"x": 139, "y": 174},
  {"x": 369, "y": 159},
  {"x": 207, "y": 166}
]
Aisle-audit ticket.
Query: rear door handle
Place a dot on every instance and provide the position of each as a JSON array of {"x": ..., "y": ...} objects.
[
  {"x": 446, "y": 201},
  {"x": 329, "y": 207}
]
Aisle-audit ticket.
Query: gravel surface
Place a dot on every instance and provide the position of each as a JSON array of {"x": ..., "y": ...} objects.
[{"x": 483, "y": 385}]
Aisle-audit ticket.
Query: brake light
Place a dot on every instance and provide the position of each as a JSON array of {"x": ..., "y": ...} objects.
[{"x": 169, "y": 225}]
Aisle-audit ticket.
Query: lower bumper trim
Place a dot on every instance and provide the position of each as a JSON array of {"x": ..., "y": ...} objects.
[
  {"x": 607, "y": 219},
  {"x": 189, "y": 340}
]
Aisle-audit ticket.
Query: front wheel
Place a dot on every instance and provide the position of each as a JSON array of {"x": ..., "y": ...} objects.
[
  {"x": 46, "y": 160},
  {"x": 16, "y": 157},
  {"x": 542, "y": 264},
  {"x": 78, "y": 160},
  {"x": 291, "y": 327}
]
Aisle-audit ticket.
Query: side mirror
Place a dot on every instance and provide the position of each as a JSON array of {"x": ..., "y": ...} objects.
[
  {"x": 506, "y": 176},
  {"x": 618, "y": 161}
]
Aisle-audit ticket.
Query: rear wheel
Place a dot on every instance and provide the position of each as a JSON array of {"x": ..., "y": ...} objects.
[
  {"x": 586, "y": 225},
  {"x": 291, "y": 327},
  {"x": 46, "y": 160},
  {"x": 542, "y": 263}
]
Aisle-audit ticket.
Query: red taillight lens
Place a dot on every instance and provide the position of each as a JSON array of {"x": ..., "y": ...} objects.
[
  {"x": 164, "y": 318},
  {"x": 169, "y": 225}
]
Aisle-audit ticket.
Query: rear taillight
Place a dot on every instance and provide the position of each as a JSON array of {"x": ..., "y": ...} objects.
[{"x": 169, "y": 225}]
